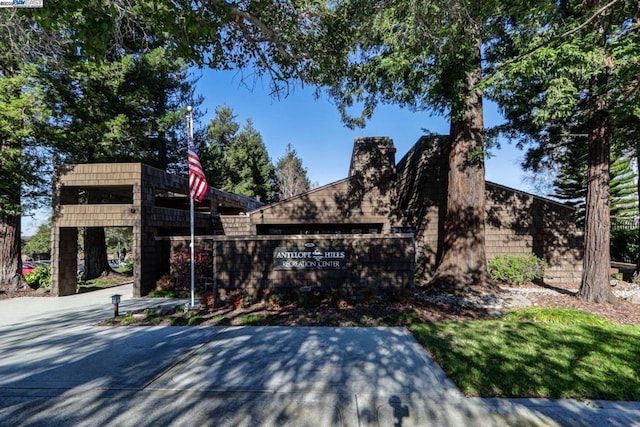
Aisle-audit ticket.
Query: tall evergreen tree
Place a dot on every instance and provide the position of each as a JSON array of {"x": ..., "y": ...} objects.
[
  {"x": 121, "y": 110},
  {"x": 571, "y": 184},
  {"x": 569, "y": 62},
  {"x": 424, "y": 55},
  {"x": 118, "y": 110},
  {"x": 251, "y": 167},
  {"x": 291, "y": 175},
  {"x": 24, "y": 164},
  {"x": 236, "y": 160},
  {"x": 220, "y": 136},
  {"x": 623, "y": 189}
]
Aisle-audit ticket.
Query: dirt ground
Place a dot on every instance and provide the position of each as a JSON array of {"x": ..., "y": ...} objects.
[{"x": 24, "y": 293}]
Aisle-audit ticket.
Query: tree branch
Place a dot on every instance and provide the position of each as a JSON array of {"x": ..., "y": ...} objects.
[
  {"x": 270, "y": 35},
  {"x": 588, "y": 21},
  {"x": 563, "y": 35}
]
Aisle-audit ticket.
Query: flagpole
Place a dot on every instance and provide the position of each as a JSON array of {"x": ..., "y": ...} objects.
[{"x": 192, "y": 221}]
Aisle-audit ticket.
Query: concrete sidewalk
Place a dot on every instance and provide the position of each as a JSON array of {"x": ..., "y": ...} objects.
[
  {"x": 91, "y": 305},
  {"x": 58, "y": 369}
]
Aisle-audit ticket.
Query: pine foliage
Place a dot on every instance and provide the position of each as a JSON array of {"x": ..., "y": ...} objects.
[
  {"x": 236, "y": 160},
  {"x": 125, "y": 109},
  {"x": 623, "y": 189},
  {"x": 571, "y": 185},
  {"x": 291, "y": 175}
]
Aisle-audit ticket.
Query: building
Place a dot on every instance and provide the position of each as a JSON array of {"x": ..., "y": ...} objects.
[{"x": 371, "y": 232}]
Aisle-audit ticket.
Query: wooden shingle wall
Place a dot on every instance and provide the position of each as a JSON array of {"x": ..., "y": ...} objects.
[
  {"x": 137, "y": 186},
  {"x": 517, "y": 223}
]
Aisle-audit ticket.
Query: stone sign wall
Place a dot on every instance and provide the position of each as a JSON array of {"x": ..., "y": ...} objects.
[{"x": 257, "y": 264}]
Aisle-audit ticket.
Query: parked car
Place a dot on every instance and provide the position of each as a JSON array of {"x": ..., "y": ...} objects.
[
  {"x": 114, "y": 263},
  {"x": 28, "y": 267}
]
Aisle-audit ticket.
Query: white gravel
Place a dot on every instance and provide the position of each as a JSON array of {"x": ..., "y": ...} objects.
[{"x": 517, "y": 296}]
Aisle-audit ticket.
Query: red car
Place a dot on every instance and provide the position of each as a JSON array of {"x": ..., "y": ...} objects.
[{"x": 28, "y": 267}]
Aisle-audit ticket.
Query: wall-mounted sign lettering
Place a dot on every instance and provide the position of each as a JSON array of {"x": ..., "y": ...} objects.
[{"x": 309, "y": 257}]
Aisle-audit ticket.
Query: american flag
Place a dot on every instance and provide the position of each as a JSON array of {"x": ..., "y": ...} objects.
[{"x": 197, "y": 181}]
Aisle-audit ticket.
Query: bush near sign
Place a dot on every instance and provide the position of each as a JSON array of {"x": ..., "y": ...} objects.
[{"x": 310, "y": 257}]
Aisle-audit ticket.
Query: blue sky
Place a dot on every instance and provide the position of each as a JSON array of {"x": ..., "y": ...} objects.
[{"x": 314, "y": 129}]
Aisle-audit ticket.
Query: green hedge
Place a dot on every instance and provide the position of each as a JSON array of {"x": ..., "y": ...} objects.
[
  {"x": 624, "y": 245},
  {"x": 39, "y": 278},
  {"x": 516, "y": 269}
]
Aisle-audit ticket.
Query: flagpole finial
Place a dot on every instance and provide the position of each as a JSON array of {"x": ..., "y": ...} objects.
[{"x": 189, "y": 108}]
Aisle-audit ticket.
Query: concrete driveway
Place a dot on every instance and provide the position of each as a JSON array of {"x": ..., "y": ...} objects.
[{"x": 57, "y": 368}]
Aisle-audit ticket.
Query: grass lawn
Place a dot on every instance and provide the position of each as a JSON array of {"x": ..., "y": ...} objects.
[
  {"x": 113, "y": 279},
  {"x": 553, "y": 353}
]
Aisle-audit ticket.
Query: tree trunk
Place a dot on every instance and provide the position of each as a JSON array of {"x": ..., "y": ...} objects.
[
  {"x": 10, "y": 257},
  {"x": 10, "y": 244},
  {"x": 636, "y": 273},
  {"x": 463, "y": 266},
  {"x": 95, "y": 253},
  {"x": 596, "y": 267},
  {"x": 95, "y": 246}
]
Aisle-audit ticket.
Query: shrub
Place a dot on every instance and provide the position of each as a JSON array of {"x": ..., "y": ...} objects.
[
  {"x": 181, "y": 266},
  {"x": 310, "y": 296},
  {"x": 516, "y": 269},
  {"x": 369, "y": 295},
  {"x": 236, "y": 298},
  {"x": 165, "y": 283},
  {"x": 274, "y": 299},
  {"x": 337, "y": 298},
  {"x": 39, "y": 278}
]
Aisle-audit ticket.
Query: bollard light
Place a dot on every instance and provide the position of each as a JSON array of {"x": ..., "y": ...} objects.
[{"x": 115, "y": 300}]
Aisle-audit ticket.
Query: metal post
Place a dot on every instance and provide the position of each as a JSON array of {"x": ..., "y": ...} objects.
[
  {"x": 193, "y": 263},
  {"x": 193, "y": 247}
]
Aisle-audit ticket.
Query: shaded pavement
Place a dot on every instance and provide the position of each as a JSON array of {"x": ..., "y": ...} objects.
[{"x": 57, "y": 368}]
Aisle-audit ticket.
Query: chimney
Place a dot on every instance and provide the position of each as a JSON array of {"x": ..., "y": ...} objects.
[
  {"x": 372, "y": 175},
  {"x": 374, "y": 159}
]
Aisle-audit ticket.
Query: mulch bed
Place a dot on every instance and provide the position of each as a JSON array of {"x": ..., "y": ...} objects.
[
  {"x": 395, "y": 314},
  {"x": 558, "y": 295},
  {"x": 24, "y": 293}
]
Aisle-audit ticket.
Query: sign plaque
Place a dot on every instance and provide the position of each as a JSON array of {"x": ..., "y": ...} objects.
[{"x": 309, "y": 257}]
